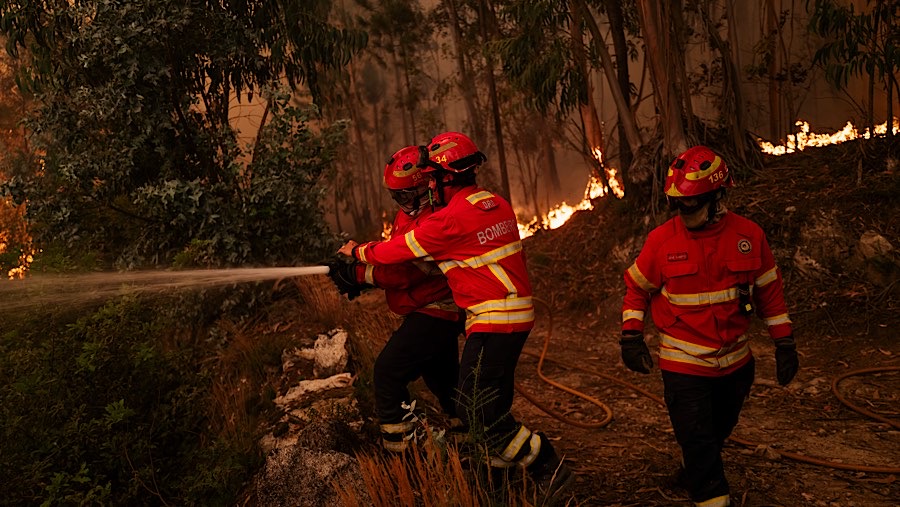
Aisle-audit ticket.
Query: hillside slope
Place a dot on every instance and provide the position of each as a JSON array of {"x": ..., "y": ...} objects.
[{"x": 825, "y": 210}]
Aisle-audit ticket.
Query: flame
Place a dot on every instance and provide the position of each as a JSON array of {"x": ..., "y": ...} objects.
[
  {"x": 804, "y": 139},
  {"x": 386, "y": 226},
  {"x": 14, "y": 235},
  {"x": 561, "y": 213}
]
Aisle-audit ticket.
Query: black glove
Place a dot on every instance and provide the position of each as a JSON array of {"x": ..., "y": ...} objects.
[
  {"x": 343, "y": 274},
  {"x": 786, "y": 361},
  {"x": 635, "y": 353}
]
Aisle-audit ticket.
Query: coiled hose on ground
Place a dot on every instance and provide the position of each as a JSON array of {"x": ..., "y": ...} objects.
[{"x": 542, "y": 357}]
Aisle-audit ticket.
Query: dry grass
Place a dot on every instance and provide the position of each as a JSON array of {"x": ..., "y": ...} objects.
[
  {"x": 431, "y": 474},
  {"x": 416, "y": 478},
  {"x": 244, "y": 365},
  {"x": 318, "y": 295}
]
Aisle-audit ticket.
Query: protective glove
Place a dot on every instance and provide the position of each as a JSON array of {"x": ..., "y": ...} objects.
[
  {"x": 635, "y": 353},
  {"x": 343, "y": 274},
  {"x": 786, "y": 361}
]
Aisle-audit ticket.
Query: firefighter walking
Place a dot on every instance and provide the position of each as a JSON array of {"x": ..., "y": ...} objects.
[
  {"x": 704, "y": 274},
  {"x": 475, "y": 241}
]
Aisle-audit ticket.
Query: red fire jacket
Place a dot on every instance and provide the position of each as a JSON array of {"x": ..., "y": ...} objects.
[
  {"x": 690, "y": 281},
  {"x": 416, "y": 286},
  {"x": 475, "y": 242}
]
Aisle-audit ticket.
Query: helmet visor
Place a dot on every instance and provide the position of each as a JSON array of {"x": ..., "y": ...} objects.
[{"x": 410, "y": 199}]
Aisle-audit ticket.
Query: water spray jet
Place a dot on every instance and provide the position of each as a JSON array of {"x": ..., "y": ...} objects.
[{"x": 42, "y": 290}]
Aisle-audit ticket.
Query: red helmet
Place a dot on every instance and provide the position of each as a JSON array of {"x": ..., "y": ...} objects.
[
  {"x": 406, "y": 183},
  {"x": 697, "y": 171},
  {"x": 401, "y": 172},
  {"x": 450, "y": 151}
]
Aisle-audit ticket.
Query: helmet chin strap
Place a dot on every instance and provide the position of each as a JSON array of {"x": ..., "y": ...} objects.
[
  {"x": 711, "y": 198},
  {"x": 439, "y": 186}
]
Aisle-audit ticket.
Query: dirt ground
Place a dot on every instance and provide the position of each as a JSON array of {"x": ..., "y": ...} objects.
[
  {"x": 629, "y": 461},
  {"x": 799, "y": 445},
  {"x": 842, "y": 322}
]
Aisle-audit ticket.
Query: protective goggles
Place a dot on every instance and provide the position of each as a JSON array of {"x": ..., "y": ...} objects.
[{"x": 409, "y": 199}]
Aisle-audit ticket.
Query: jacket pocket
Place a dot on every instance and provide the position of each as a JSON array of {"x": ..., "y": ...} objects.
[
  {"x": 679, "y": 269},
  {"x": 744, "y": 270},
  {"x": 678, "y": 281}
]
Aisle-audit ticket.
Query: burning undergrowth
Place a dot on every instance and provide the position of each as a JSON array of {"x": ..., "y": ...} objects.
[{"x": 814, "y": 204}]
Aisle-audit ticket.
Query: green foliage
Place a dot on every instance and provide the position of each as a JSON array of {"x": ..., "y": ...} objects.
[
  {"x": 106, "y": 409},
  {"x": 537, "y": 56},
  {"x": 864, "y": 43},
  {"x": 139, "y": 159}
]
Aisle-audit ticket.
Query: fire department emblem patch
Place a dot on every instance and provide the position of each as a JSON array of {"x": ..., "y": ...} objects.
[{"x": 744, "y": 246}]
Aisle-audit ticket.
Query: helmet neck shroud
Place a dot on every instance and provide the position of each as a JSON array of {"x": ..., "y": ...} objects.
[{"x": 690, "y": 205}]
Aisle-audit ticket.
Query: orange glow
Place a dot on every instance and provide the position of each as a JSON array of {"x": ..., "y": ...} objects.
[
  {"x": 14, "y": 236},
  {"x": 561, "y": 213},
  {"x": 386, "y": 226},
  {"x": 804, "y": 139}
]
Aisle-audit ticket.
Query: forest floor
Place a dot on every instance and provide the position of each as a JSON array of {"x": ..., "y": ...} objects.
[
  {"x": 798, "y": 445},
  {"x": 842, "y": 323}
]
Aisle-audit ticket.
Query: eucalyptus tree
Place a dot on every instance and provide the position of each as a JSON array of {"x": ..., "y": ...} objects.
[
  {"x": 859, "y": 43},
  {"x": 620, "y": 20},
  {"x": 466, "y": 68},
  {"x": 661, "y": 22},
  {"x": 730, "y": 99},
  {"x": 472, "y": 26},
  {"x": 401, "y": 32},
  {"x": 139, "y": 158},
  {"x": 548, "y": 56}
]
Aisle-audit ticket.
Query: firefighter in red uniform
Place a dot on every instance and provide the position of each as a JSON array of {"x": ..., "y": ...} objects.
[
  {"x": 704, "y": 273},
  {"x": 475, "y": 241},
  {"x": 425, "y": 345}
]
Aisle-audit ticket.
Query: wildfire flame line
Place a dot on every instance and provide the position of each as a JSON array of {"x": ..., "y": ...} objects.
[
  {"x": 803, "y": 139},
  {"x": 561, "y": 213}
]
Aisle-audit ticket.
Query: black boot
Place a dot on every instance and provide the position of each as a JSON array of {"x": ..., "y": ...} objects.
[{"x": 552, "y": 478}]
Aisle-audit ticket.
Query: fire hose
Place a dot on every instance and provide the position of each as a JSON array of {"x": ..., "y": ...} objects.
[{"x": 608, "y": 413}]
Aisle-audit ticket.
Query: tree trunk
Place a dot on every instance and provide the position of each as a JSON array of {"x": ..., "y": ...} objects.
[
  {"x": 364, "y": 157},
  {"x": 627, "y": 124},
  {"x": 891, "y": 77},
  {"x": 409, "y": 103},
  {"x": 774, "y": 87},
  {"x": 337, "y": 210},
  {"x": 465, "y": 79},
  {"x": 732, "y": 98},
  {"x": 672, "y": 10},
  {"x": 656, "y": 38},
  {"x": 735, "y": 64},
  {"x": 401, "y": 101},
  {"x": 495, "y": 99},
  {"x": 590, "y": 120},
  {"x": 890, "y": 105},
  {"x": 551, "y": 172},
  {"x": 620, "y": 44}
]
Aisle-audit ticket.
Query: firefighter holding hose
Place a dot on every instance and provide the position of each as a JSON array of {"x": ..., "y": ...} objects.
[
  {"x": 426, "y": 343},
  {"x": 474, "y": 239},
  {"x": 704, "y": 273}
]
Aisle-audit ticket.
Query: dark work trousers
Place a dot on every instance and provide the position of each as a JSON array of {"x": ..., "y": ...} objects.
[
  {"x": 487, "y": 371},
  {"x": 704, "y": 411},
  {"x": 423, "y": 346}
]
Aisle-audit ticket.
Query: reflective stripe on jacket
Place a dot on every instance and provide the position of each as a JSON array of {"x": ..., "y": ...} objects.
[
  {"x": 415, "y": 286},
  {"x": 689, "y": 280},
  {"x": 475, "y": 242}
]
